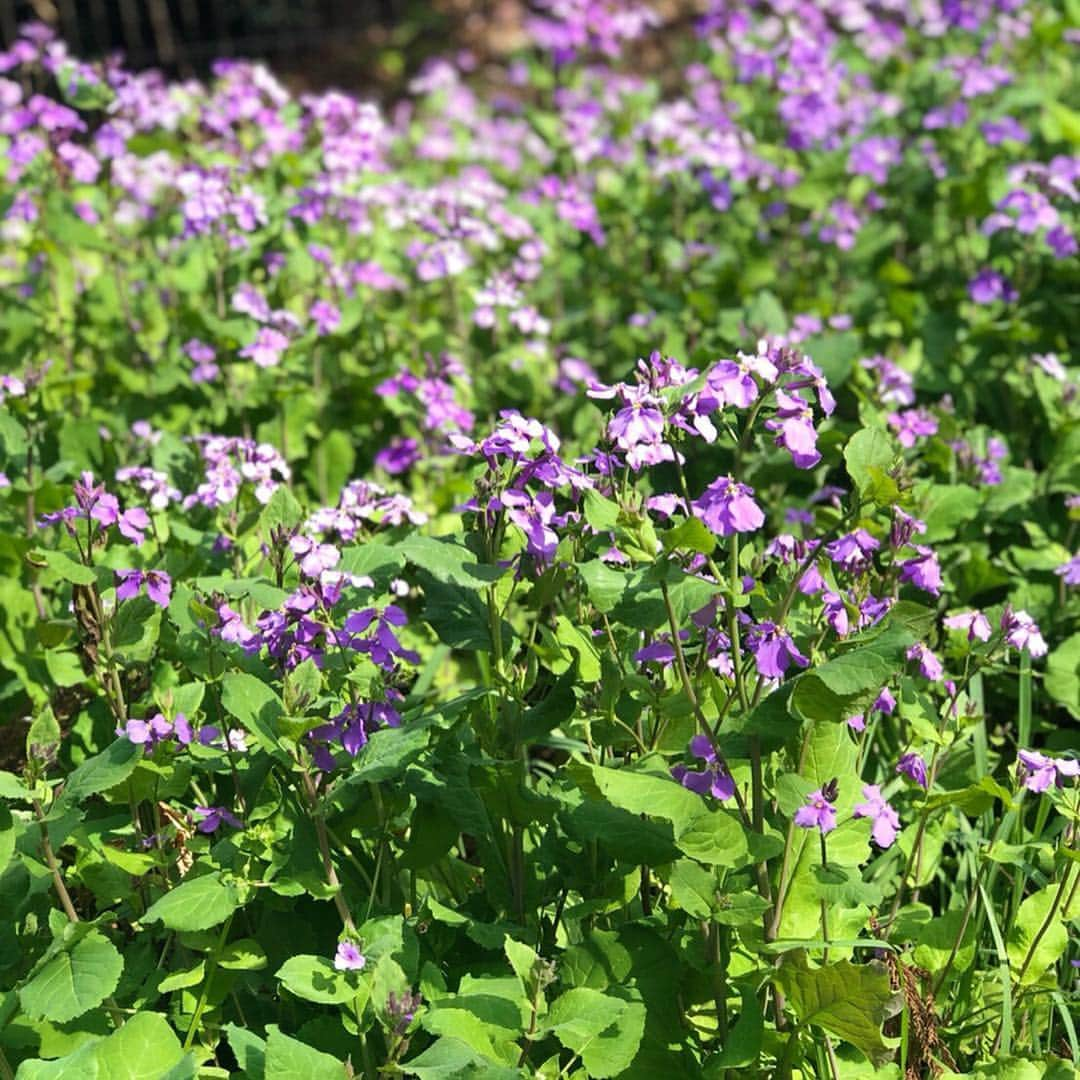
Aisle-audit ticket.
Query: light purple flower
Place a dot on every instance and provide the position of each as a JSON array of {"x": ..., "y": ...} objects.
[
  {"x": 534, "y": 515},
  {"x": 988, "y": 285},
  {"x": 267, "y": 347},
  {"x": 913, "y": 766},
  {"x": 885, "y": 818},
  {"x": 158, "y": 585},
  {"x": 1037, "y": 771},
  {"x": 1021, "y": 632},
  {"x": 1070, "y": 572},
  {"x": 818, "y": 813},
  {"x": 348, "y": 957},
  {"x": 773, "y": 649},
  {"x": 929, "y": 665},
  {"x": 854, "y": 551},
  {"x": 727, "y": 507},
  {"x": 923, "y": 571},
  {"x": 713, "y": 779},
  {"x": 212, "y": 818},
  {"x": 974, "y": 623}
]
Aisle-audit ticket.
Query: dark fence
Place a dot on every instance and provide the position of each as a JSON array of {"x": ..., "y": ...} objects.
[{"x": 184, "y": 36}]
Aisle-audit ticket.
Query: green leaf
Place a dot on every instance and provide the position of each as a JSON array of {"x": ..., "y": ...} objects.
[
  {"x": 693, "y": 888},
  {"x": 604, "y": 585},
  {"x": 103, "y": 771},
  {"x": 849, "y": 1000},
  {"x": 74, "y": 980},
  {"x": 743, "y": 1044},
  {"x": 136, "y": 627},
  {"x": 1041, "y": 909},
  {"x": 522, "y": 959},
  {"x": 180, "y": 980},
  {"x": 281, "y": 511},
  {"x": 606, "y": 1031},
  {"x": 601, "y": 513},
  {"x": 314, "y": 978},
  {"x": 249, "y": 1049},
  {"x": 243, "y": 955},
  {"x": 869, "y": 455},
  {"x": 68, "y": 568},
  {"x": 838, "y": 688},
  {"x": 945, "y": 507},
  {"x": 289, "y": 1059},
  {"x": 448, "y": 561},
  {"x": 449, "y": 1059},
  {"x": 459, "y": 616},
  {"x": 195, "y": 904},
  {"x": 254, "y": 704},
  {"x": 1062, "y": 680},
  {"x": 145, "y": 1048},
  {"x": 692, "y": 535}
]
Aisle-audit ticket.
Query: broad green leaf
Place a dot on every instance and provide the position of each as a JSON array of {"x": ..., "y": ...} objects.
[
  {"x": 254, "y": 704},
  {"x": 289, "y": 1059},
  {"x": 1062, "y": 680},
  {"x": 835, "y": 690},
  {"x": 145, "y": 1048},
  {"x": 74, "y": 980},
  {"x": 314, "y": 978},
  {"x": 869, "y": 454},
  {"x": 448, "y": 561},
  {"x": 743, "y": 1043},
  {"x": 243, "y": 955},
  {"x": 195, "y": 904},
  {"x": 103, "y": 771},
  {"x": 606, "y": 1031},
  {"x": 1025, "y": 946},
  {"x": 451, "y": 1059},
  {"x": 846, "y": 999},
  {"x": 180, "y": 980},
  {"x": 68, "y": 568},
  {"x": 945, "y": 507},
  {"x": 693, "y": 888}
]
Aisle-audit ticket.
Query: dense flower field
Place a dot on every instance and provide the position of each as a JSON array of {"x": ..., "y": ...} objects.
[{"x": 574, "y": 575}]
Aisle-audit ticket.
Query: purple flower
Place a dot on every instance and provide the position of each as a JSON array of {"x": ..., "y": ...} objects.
[
  {"x": 836, "y": 613},
  {"x": 534, "y": 515},
  {"x": 853, "y": 552},
  {"x": 1070, "y": 572},
  {"x": 313, "y": 558},
  {"x": 912, "y": 425},
  {"x": 929, "y": 665},
  {"x": 1037, "y": 771},
  {"x": 399, "y": 455},
  {"x": 923, "y": 571},
  {"x": 713, "y": 779},
  {"x": 818, "y": 813},
  {"x": 267, "y": 347},
  {"x": 348, "y": 957},
  {"x": 988, "y": 285},
  {"x": 727, "y": 507},
  {"x": 885, "y": 818},
  {"x": 1021, "y": 632},
  {"x": 974, "y": 623},
  {"x": 131, "y": 524},
  {"x": 912, "y": 766},
  {"x": 212, "y": 818},
  {"x": 662, "y": 652},
  {"x": 325, "y": 316},
  {"x": 158, "y": 585},
  {"x": 794, "y": 424},
  {"x": 774, "y": 651}
]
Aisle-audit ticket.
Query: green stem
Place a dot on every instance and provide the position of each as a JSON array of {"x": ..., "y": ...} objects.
[{"x": 207, "y": 985}]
